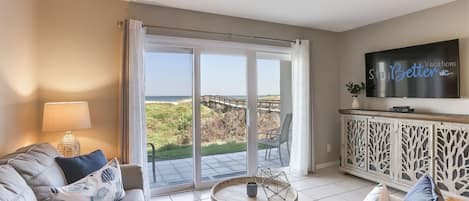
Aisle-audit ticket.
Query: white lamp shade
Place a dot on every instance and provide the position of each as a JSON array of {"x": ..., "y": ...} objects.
[{"x": 66, "y": 116}]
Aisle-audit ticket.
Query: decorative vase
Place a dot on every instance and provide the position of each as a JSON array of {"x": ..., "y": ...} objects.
[
  {"x": 251, "y": 189},
  {"x": 355, "y": 103}
]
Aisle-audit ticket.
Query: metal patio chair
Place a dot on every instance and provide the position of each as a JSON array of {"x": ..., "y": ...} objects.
[{"x": 276, "y": 137}]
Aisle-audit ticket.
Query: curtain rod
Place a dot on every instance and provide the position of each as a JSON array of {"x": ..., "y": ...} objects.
[{"x": 220, "y": 33}]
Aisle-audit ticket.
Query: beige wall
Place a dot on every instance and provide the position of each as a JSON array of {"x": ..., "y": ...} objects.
[
  {"x": 78, "y": 49},
  {"x": 79, "y": 55},
  {"x": 441, "y": 23},
  {"x": 79, "y": 59},
  {"x": 18, "y": 85},
  {"x": 324, "y": 62}
]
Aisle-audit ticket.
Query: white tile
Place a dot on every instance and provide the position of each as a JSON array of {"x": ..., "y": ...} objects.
[
  {"x": 345, "y": 185},
  {"x": 357, "y": 195},
  {"x": 333, "y": 198},
  {"x": 162, "y": 198},
  {"x": 188, "y": 196},
  {"x": 204, "y": 194},
  {"x": 398, "y": 194},
  {"x": 310, "y": 183},
  {"x": 303, "y": 197},
  {"x": 327, "y": 184}
]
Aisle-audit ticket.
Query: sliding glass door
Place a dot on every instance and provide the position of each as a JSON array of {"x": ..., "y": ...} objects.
[
  {"x": 168, "y": 95},
  {"x": 223, "y": 116},
  {"x": 274, "y": 110},
  {"x": 214, "y": 112}
]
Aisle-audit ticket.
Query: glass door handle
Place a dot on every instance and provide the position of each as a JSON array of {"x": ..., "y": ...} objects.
[{"x": 247, "y": 118}]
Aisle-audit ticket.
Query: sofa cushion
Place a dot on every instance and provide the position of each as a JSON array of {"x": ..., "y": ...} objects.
[
  {"x": 13, "y": 187},
  {"x": 37, "y": 166},
  {"x": 133, "y": 195},
  {"x": 76, "y": 168},
  {"x": 104, "y": 184}
]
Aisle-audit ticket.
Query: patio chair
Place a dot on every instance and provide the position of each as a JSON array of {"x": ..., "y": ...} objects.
[
  {"x": 153, "y": 160},
  {"x": 276, "y": 137}
]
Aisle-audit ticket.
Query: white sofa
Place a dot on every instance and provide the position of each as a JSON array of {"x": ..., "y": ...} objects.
[{"x": 28, "y": 174}]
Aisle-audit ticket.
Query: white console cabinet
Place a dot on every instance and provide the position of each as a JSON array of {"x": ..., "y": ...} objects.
[{"x": 397, "y": 149}]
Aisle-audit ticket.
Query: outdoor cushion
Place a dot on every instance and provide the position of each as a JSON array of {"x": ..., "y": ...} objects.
[
  {"x": 76, "y": 168},
  {"x": 38, "y": 168},
  {"x": 13, "y": 187}
]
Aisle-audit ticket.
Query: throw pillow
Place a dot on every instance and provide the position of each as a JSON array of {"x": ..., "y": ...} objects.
[
  {"x": 424, "y": 190},
  {"x": 379, "y": 193},
  {"x": 103, "y": 185},
  {"x": 76, "y": 168}
]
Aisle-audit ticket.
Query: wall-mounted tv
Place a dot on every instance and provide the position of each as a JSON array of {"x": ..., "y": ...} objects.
[{"x": 423, "y": 71}]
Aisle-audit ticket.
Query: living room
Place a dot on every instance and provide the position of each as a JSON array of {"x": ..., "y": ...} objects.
[{"x": 139, "y": 81}]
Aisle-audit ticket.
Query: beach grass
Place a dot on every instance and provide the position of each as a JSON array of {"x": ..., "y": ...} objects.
[
  {"x": 169, "y": 128},
  {"x": 173, "y": 151}
]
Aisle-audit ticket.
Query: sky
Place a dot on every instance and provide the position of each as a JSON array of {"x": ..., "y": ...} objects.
[{"x": 170, "y": 74}]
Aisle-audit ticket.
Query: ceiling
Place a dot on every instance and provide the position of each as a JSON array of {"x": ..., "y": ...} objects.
[{"x": 332, "y": 15}]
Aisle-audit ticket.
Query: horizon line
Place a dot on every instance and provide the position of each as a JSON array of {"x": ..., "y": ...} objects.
[{"x": 216, "y": 95}]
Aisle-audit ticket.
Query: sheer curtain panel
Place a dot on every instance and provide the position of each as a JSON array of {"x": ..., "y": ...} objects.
[
  {"x": 133, "y": 125},
  {"x": 301, "y": 126}
]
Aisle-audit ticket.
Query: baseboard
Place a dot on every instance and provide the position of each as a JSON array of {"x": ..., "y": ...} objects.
[{"x": 327, "y": 164}]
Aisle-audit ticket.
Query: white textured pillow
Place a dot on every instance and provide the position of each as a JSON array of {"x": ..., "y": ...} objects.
[
  {"x": 103, "y": 185},
  {"x": 379, "y": 193}
]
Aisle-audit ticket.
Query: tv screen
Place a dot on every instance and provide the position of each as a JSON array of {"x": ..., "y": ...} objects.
[{"x": 423, "y": 71}]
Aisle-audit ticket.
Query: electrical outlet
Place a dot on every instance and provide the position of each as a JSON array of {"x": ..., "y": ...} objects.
[{"x": 329, "y": 148}]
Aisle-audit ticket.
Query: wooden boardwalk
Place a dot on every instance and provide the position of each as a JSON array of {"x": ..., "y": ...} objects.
[{"x": 230, "y": 102}]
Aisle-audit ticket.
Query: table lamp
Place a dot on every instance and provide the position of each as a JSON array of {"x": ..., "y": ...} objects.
[{"x": 66, "y": 116}]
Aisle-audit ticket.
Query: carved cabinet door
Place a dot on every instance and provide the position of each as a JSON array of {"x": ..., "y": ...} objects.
[
  {"x": 381, "y": 132},
  {"x": 452, "y": 158},
  {"x": 354, "y": 142},
  {"x": 415, "y": 141}
]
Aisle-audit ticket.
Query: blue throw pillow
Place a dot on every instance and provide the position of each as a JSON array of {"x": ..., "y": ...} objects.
[
  {"x": 424, "y": 190},
  {"x": 76, "y": 168}
]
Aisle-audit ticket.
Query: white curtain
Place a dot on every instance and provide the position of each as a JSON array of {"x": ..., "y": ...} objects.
[
  {"x": 134, "y": 125},
  {"x": 301, "y": 125}
]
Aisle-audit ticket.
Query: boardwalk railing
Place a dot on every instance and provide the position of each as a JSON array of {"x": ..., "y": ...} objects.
[{"x": 262, "y": 105}]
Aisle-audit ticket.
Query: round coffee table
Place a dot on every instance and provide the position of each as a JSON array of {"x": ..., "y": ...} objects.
[{"x": 235, "y": 190}]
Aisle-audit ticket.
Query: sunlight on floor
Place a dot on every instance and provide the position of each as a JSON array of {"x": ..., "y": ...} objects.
[{"x": 326, "y": 184}]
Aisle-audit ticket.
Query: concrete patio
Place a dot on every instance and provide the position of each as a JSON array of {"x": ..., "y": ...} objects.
[{"x": 214, "y": 167}]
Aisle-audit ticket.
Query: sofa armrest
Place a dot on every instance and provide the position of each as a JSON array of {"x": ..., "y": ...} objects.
[{"x": 132, "y": 177}]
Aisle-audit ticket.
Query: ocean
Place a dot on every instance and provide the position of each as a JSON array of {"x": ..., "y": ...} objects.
[
  {"x": 167, "y": 98},
  {"x": 179, "y": 98}
]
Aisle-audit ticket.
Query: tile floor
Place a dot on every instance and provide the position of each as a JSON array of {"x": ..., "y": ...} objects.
[{"x": 326, "y": 184}]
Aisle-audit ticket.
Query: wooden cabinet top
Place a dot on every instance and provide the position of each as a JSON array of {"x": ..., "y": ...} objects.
[{"x": 455, "y": 118}]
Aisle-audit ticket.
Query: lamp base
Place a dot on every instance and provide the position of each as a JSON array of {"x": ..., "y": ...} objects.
[{"x": 69, "y": 146}]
